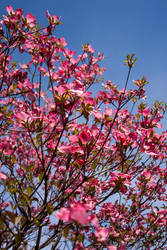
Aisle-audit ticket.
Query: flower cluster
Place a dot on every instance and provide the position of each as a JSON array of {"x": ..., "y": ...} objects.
[{"x": 77, "y": 170}]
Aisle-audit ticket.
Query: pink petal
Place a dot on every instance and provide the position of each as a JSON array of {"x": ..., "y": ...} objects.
[
  {"x": 3, "y": 176},
  {"x": 79, "y": 214},
  {"x": 63, "y": 215},
  {"x": 9, "y": 9},
  {"x": 112, "y": 248}
]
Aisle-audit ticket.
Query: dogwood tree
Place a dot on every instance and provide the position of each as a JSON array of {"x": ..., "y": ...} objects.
[{"x": 77, "y": 170}]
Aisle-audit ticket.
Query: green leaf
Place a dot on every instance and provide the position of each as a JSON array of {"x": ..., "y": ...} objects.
[
  {"x": 11, "y": 216},
  {"x": 86, "y": 115},
  {"x": 9, "y": 114},
  {"x": 58, "y": 184},
  {"x": 26, "y": 197},
  {"x": 130, "y": 60},
  {"x": 28, "y": 169},
  {"x": 17, "y": 220},
  {"x": 50, "y": 208},
  {"x": 29, "y": 190},
  {"x": 17, "y": 239},
  {"x": 41, "y": 176},
  {"x": 23, "y": 202},
  {"x": 39, "y": 137},
  {"x": 66, "y": 231},
  {"x": 81, "y": 238},
  {"x": 94, "y": 165},
  {"x": 13, "y": 190},
  {"x": 13, "y": 160}
]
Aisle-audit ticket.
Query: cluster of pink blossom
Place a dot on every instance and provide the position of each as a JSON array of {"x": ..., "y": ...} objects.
[{"x": 76, "y": 170}]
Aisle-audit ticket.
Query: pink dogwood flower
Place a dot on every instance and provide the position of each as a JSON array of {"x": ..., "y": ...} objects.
[
  {"x": 3, "y": 176},
  {"x": 79, "y": 214},
  {"x": 85, "y": 137},
  {"x": 63, "y": 214},
  {"x": 101, "y": 233}
]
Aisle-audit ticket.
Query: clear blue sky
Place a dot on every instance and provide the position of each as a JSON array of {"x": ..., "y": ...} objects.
[{"x": 114, "y": 27}]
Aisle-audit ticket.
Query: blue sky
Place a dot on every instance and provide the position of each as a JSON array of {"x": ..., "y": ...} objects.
[{"x": 114, "y": 28}]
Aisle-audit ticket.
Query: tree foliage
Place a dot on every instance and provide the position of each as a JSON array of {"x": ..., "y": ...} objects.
[{"x": 78, "y": 170}]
